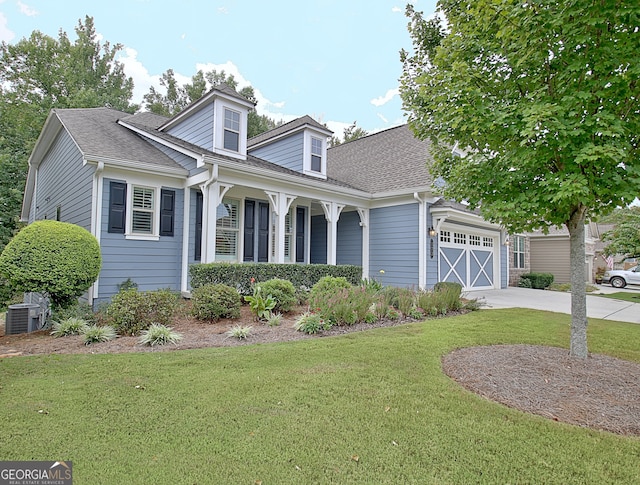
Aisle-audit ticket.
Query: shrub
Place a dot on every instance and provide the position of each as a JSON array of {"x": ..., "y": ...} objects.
[
  {"x": 132, "y": 311},
  {"x": 524, "y": 283},
  {"x": 215, "y": 301},
  {"x": 448, "y": 286},
  {"x": 325, "y": 288},
  {"x": 70, "y": 326},
  {"x": 311, "y": 323},
  {"x": 539, "y": 281},
  {"x": 347, "y": 306},
  {"x": 77, "y": 309},
  {"x": 239, "y": 332},
  {"x": 274, "y": 319},
  {"x": 95, "y": 334},
  {"x": 59, "y": 259},
  {"x": 158, "y": 334},
  {"x": 282, "y": 291}
]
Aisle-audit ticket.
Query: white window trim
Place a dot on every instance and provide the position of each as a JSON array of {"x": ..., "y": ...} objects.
[
  {"x": 155, "y": 235},
  {"x": 307, "y": 155},
  {"x": 219, "y": 128},
  {"x": 521, "y": 251}
]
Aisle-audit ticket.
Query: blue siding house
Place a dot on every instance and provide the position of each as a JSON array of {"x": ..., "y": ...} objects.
[{"x": 162, "y": 194}]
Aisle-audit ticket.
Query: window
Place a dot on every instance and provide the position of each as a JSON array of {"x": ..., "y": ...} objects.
[
  {"x": 231, "y": 130},
  {"x": 445, "y": 236},
  {"x": 487, "y": 242},
  {"x": 288, "y": 235},
  {"x": 518, "y": 252},
  {"x": 459, "y": 238},
  {"x": 316, "y": 154},
  {"x": 474, "y": 240},
  {"x": 142, "y": 210},
  {"x": 227, "y": 229}
]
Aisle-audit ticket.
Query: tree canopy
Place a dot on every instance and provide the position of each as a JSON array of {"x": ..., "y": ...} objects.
[
  {"x": 176, "y": 97},
  {"x": 350, "y": 133},
  {"x": 624, "y": 238},
  {"x": 541, "y": 99},
  {"x": 40, "y": 73}
]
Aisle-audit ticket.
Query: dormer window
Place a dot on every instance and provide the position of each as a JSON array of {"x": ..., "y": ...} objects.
[
  {"x": 316, "y": 154},
  {"x": 231, "y": 130}
]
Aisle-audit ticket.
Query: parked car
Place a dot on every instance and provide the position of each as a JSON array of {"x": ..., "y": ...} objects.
[{"x": 619, "y": 278}]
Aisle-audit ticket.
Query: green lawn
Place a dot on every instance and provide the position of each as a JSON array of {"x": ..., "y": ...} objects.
[
  {"x": 371, "y": 407},
  {"x": 622, "y": 295}
]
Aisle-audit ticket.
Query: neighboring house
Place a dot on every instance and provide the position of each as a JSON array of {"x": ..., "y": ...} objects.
[
  {"x": 162, "y": 194},
  {"x": 537, "y": 252}
]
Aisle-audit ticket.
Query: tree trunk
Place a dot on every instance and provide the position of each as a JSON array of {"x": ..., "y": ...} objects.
[{"x": 578, "y": 346}]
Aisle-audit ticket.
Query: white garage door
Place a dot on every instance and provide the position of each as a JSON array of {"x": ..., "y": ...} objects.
[{"x": 468, "y": 258}]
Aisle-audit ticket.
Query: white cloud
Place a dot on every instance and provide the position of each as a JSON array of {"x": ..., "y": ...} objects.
[
  {"x": 382, "y": 100},
  {"x": 27, "y": 10},
  {"x": 396, "y": 9},
  {"x": 381, "y": 116},
  {"x": 142, "y": 80},
  {"x": 5, "y": 34},
  {"x": 223, "y": 10}
]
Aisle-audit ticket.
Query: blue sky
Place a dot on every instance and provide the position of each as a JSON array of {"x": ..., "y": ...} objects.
[{"x": 335, "y": 60}]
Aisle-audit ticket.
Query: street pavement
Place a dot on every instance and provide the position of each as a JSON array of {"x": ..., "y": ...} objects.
[{"x": 557, "y": 301}]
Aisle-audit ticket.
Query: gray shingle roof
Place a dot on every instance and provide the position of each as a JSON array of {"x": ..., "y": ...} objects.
[
  {"x": 386, "y": 161},
  {"x": 285, "y": 128},
  {"x": 96, "y": 132}
]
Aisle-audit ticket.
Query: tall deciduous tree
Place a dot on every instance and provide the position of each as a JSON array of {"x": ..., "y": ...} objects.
[
  {"x": 176, "y": 98},
  {"x": 542, "y": 97},
  {"x": 350, "y": 133},
  {"x": 40, "y": 73}
]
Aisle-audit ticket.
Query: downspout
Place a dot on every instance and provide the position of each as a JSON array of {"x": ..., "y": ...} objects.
[{"x": 422, "y": 242}]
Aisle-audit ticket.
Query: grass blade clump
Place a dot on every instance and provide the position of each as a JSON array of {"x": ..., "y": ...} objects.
[
  {"x": 158, "y": 334},
  {"x": 70, "y": 326}
]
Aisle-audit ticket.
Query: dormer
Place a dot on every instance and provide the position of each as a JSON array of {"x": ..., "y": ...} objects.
[
  {"x": 216, "y": 122},
  {"x": 299, "y": 145}
]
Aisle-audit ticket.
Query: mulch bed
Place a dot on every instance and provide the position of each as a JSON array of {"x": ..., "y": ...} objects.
[{"x": 599, "y": 392}]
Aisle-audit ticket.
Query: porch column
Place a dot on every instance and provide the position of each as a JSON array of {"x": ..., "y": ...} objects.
[
  {"x": 422, "y": 241},
  {"x": 364, "y": 224},
  {"x": 212, "y": 196},
  {"x": 332, "y": 212},
  {"x": 280, "y": 203}
]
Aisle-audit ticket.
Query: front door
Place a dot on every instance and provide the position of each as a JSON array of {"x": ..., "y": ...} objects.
[{"x": 256, "y": 231}]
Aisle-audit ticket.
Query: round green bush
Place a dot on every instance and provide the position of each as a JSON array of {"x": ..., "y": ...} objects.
[
  {"x": 325, "y": 288},
  {"x": 132, "y": 311},
  {"x": 215, "y": 301},
  {"x": 57, "y": 258},
  {"x": 282, "y": 291}
]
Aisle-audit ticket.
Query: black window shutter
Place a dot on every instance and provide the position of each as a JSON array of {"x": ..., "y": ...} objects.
[
  {"x": 249, "y": 230},
  {"x": 117, "y": 207},
  {"x": 167, "y": 211},
  {"x": 198, "y": 236},
  {"x": 300, "y": 221}
]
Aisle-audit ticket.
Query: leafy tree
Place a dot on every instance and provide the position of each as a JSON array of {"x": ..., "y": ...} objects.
[
  {"x": 40, "y": 73},
  {"x": 624, "y": 238},
  {"x": 57, "y": 258},
  {"x": 176, "y": 98},
  {"x": 542, "y": 100},
  {"x": 350, "y": 133}
]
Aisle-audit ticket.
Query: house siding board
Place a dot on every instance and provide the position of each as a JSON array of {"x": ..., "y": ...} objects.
[
  {"x": 349, "y": 244},
  {"x": 287, "y": 152},
  {"x": 184, "y": 161},
  {"x": 150, "y": 264},
  {"x": 318, "y": 240},
  {"x": 196, "y": 129},
  {"x": 551, "y": 255},
  {"x": 394, "y": 245},
  {"x": 64, "y": 182}
]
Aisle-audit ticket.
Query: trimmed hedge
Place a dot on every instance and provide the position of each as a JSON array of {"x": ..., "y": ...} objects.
[
  {"x": 57, "y": 258},
  {"x": 539, "y": 281},
  {"x": 240, "y": 276}
]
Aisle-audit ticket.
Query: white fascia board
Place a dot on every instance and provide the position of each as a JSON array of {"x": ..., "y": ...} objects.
[
  {"x": 198, "y": 157},
  {"x": 286, "y": 134},
  {"x": 451, "y": 214},
  {"x": 137, "y": 166}
]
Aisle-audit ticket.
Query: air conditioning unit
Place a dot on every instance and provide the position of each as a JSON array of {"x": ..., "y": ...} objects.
[{"x": 22, "y": 318}]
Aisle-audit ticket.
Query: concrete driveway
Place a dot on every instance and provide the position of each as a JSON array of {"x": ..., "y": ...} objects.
[{"x": 556, "y": 301}]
